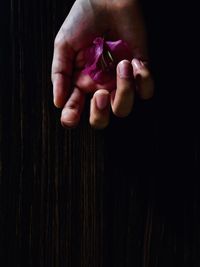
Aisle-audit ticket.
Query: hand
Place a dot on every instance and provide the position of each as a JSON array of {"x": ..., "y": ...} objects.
[{"x": 117, "y": 19}]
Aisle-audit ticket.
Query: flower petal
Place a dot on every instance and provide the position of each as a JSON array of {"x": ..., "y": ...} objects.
[
  {"x": 95, "y": 56},
  {"x": 119, "y": 50},
  {"x": 93, "y": 53}
]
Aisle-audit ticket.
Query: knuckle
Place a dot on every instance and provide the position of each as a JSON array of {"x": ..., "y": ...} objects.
[
  {"x": 123, "y": 5},
  {"x": 98, "y": 123},
  {"x": 146, "y": 74},
  {"x": 121, "y": 112},
  {"x": 59, "y": 40},
  {"x": 52, "y": 77},
  {"x": 143, "y": 74},
  {"x": 68, "y": 125},
  {"x": 73, "y": 104},
  {"x": 65, "y": 122}
]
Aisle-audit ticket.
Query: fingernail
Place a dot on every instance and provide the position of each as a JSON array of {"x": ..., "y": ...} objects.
[
  {"x": 55, "y": 103},
  {"x": 137, "y": 63},
  {"x": 102, "y": 101},
  {"x": 125, "y": 69},
  {"x": 69, "y": 118}
]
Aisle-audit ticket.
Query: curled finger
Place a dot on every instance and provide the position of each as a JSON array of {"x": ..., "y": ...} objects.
[
  {"x": 122, "y": 99},
  {"x": 72, "y": 110},
  {"x": 143, "y": 78},
  {"x": 100, "y": 109}
]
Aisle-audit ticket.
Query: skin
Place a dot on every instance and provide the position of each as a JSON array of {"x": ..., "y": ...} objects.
[{"x": 120, "y": 19}]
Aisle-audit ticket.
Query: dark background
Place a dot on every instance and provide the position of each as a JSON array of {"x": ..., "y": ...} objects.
[{"x": 125, "y": 196}]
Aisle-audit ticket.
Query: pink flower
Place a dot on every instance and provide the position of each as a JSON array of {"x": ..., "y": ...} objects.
[{"x": 102, "y": 58}]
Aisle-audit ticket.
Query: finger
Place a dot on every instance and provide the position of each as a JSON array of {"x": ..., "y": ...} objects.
[
  {"x": 122, "y": 99},
  {"x": 143, "y": 78},
  {"x": 61, "y": 70},
  {"x": 86, "y": 83},
  {"x": 72, "y": 110},
  {"x": 100, "y": 109}
]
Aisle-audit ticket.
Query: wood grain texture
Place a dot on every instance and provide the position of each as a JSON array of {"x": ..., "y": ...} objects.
[{"x": 86, "y": 198}]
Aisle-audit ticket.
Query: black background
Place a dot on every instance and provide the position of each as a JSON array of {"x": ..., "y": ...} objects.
[{"x": 125, "y": 196}]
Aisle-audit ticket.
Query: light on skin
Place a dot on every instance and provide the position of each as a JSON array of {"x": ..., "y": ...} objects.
[{"x": 121, "y": 19}]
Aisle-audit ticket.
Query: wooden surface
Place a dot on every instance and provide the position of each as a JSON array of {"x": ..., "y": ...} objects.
[{"x": 127, "y": 196}]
